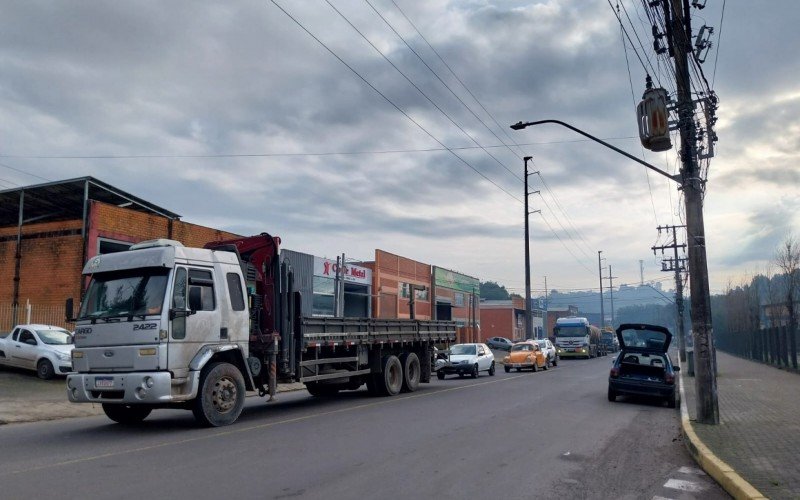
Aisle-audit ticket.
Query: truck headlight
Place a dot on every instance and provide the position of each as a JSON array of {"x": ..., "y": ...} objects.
[{"x": 77, "y": 354}]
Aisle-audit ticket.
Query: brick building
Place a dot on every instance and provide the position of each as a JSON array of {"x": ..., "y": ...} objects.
[
  {"x": 393, "y": 278},
  {"x": 48, "y": 231}
]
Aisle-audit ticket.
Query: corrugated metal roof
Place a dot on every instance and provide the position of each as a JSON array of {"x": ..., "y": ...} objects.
[{"x": 63, "y": 200}]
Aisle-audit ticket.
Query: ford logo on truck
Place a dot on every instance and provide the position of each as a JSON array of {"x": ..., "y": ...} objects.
[{"x": 145, "y": 326}]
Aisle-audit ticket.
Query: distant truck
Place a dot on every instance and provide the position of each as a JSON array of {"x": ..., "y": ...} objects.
[
  {"x": 43, "y": 348},
  {"x": 608, "y": 339},
  {"x": 576, "y": 338},
  {"x": 166, "y": 326}
]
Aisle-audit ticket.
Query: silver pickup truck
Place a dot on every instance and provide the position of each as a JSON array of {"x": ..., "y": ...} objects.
[{"x": 43, "y": 348}]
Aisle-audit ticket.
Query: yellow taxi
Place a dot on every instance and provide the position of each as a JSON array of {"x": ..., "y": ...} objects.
[{"x": 526, "y": 354}]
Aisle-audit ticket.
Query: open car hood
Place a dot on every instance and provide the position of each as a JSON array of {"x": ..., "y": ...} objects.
[{"x": 643, "y": 338}]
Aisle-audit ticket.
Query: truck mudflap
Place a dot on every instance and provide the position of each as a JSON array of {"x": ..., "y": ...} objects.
[{"x": 130, "y": 388}]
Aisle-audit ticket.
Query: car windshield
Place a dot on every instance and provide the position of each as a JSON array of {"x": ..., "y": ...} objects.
[
  {"x": 608, "y": 336},
  {"x": 462, "y": 349},
  {"x": 125, "y": 293},
  {"x": 55, "y": 337},
  {"x": 542, "y": 344},
  {"x": 522, "y": 347},
  {"x": 571, "y": 331}
]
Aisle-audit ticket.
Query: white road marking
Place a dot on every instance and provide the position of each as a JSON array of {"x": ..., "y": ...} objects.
[
  {"x": 660, "y": 498},
  {"x": 679, "y": 484},
  {"x": 691, "y": 470}
]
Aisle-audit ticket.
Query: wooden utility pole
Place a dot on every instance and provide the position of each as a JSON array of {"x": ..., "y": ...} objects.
[
  {"x": 676, "y": 264},
  {"x": 610, "y": 279},
  {"x": 704, "y": 352},
  {"x": 600, "y": 272}
]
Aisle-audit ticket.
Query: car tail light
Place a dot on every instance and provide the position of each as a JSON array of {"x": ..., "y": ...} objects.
[
  {"x": 669, "y": 378},
  {"x": 614, "y": 372}
]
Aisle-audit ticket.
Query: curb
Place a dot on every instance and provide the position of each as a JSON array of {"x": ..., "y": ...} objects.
[{"x": 722, "y": 473}]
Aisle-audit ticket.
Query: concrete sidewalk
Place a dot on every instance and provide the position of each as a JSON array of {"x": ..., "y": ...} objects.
[
  {"x": 759, "y": 431},
  {"x": 25, "y": 398}
]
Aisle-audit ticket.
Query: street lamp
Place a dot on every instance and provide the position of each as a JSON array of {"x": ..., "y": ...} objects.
[{"x": 705, "y": 357}]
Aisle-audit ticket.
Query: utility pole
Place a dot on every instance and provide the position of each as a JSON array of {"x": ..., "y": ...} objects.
[
  {"x": 528, "y": 319},
  {"x": 610, "y": 279},
  {"x": 600, "y": 272},
  {"x": 544, "y": 313},
  {"x": 704, "y": 351},
  {"x": 678, "y": 265}
]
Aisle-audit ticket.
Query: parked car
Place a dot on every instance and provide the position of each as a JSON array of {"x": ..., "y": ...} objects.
[
  {"x": 467, "y": 359},
  {"x": 43, "y": 348},
  {"x": 642, "y": 366},
  {"x": 524, "y": 355},
  {"x": 500, "y": 343},
  {"x": 549, "y": 350}
]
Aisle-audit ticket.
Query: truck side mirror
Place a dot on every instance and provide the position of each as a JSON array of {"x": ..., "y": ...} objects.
[{"x": 68, "y": 310}]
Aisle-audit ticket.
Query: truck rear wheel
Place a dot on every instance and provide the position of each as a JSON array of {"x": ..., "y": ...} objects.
[
  {"x": 126, "y": 414},
  {"x": 411, "y": 371},
  {"x": 390, "y": 381},
  {"x": 220, "y": 398}
]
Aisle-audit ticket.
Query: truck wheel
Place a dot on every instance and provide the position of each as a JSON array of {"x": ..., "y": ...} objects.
[
  {"x": 411, "y": 371},
  {"x": 45, "y": 370},
  {"x": 390, "y": 381},
  {"x": 491, "y": 370},
  {"x": 220, "y": 398},
  {"x": 126, "y": 414},
  {"x": 440, "y": 375}
]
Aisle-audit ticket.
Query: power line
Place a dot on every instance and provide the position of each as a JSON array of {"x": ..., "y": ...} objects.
[
  {"x": 443, "y": 112},
  {"x": 334, "y": 54},
  {"x": 23, "y": 172},
  {"x": 269, "y": 155},
  {"x": 719, "y": 41}
]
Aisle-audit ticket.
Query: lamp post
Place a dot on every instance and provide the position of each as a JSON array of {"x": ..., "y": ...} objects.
[{"x": 705, "y": 359}]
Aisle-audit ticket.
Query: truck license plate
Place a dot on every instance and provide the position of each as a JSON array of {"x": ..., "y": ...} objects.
[
  {"x": 104, "y": 382},
  {"x": 570, "y": 350}
]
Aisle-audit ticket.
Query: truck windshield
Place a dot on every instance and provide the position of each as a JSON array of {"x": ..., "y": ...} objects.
[
  {"x": 571, "y": 331},
  {"x": 136, "y": 292}
]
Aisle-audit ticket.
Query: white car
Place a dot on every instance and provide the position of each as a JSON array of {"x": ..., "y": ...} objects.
[
  {"x": 549, "y": 350},
  {"x": 468, "y": 359},
  {"x": 46, "y": 349}
]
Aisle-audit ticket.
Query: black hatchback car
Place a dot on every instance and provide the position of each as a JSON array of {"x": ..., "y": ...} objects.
[{"x": 642, "y": 366}]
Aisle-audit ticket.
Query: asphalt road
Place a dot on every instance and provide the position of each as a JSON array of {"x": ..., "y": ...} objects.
[{"x": 550, "y": 434}]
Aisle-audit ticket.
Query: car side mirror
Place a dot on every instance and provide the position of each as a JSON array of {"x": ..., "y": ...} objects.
[{"x": 676, "y": 368}]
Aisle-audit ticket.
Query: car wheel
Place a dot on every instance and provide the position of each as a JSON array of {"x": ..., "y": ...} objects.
[
  {"x": 474, "y": 373},
  {"x": 507, "y": 369},
  {"x": 535, "y": 367},
  {"x": 612, "y": 395},
  {"x": 491, "y": 370},
  {"x": 555, "y": 360},
  {"x": 440, "y": 375},
  {"x": 45, "y": 370},
  {"x": 671, "y": 401},
  {"x": 547, "y": 363}
]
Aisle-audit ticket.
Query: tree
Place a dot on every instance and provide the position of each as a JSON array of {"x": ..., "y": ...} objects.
[
  {"x": 491, "y": 290},
  {"x": 787, "y": 258}
]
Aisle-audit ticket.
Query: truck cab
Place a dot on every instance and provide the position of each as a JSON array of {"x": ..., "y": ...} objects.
[{"x": 131, "y": 341}]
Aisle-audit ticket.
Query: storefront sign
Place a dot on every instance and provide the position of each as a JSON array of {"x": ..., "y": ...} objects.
[
  {"x": 352, "y": 274},
  {"x": 456, "y": 281}
]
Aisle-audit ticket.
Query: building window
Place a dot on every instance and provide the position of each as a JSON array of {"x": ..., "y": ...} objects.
[
  {"x": 459, "y": 299},
  {"x": 105, "y": 245},
  {"x": 322, "y": 301},
  {"x": 419, "y": 295}
]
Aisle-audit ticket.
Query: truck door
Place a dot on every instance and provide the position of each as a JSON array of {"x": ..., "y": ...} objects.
[
  {"x": 188, "y": 333},
  {"x": 25, "y": 349}
]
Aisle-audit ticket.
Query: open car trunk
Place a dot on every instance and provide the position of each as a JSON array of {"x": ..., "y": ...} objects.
[{"x": 637, "y": 367}]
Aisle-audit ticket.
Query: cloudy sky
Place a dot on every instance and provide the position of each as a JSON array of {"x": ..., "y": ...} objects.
[{"x": 316, "y": 121}]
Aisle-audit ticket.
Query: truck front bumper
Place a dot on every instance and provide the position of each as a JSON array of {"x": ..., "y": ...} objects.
[{"x": 129, "y": 388}]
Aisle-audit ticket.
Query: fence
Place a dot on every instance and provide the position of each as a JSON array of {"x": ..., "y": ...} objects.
[
  {"x": 46, "y": 314},
  {"x": 774, "y": 346}
]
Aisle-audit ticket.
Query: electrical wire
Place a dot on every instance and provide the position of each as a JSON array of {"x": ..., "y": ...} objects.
[
  {"x": 331, "y": 51},
  {"x": 719, "y": 41},
  {"x": 23, "y": 172}
]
